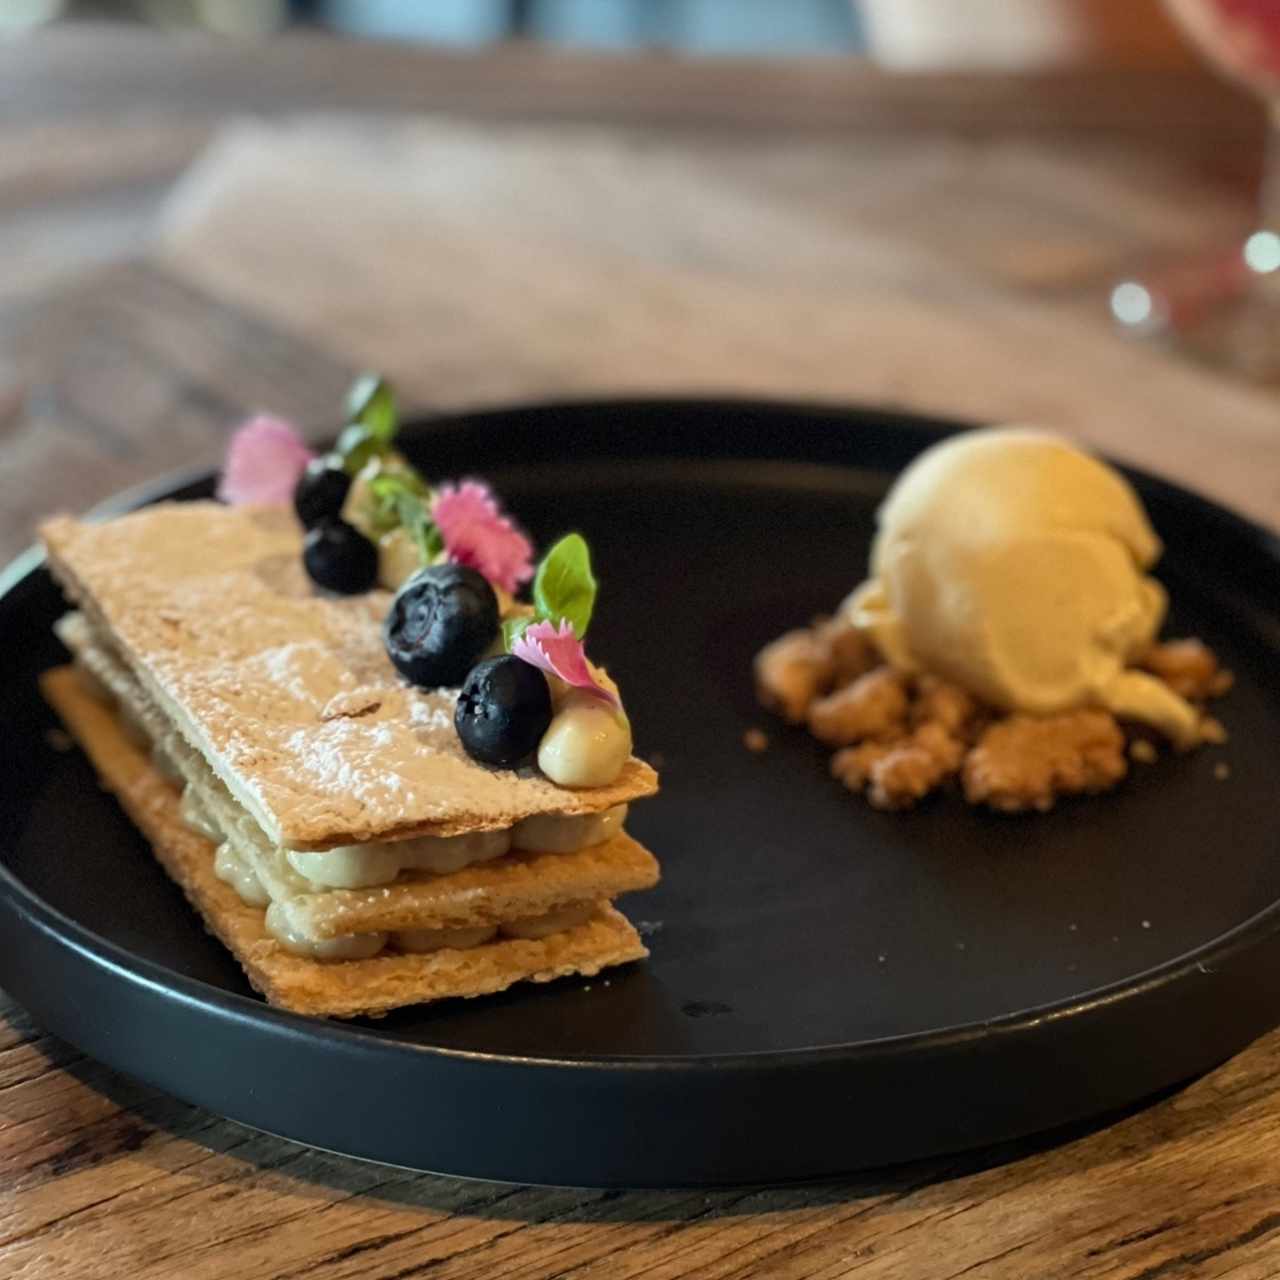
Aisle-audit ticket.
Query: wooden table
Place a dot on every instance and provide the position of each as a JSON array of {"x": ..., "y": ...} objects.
[{"x": 943, "y": 242}]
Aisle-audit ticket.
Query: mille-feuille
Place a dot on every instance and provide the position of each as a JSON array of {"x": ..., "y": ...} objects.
[{"x": 360, "y": 841}]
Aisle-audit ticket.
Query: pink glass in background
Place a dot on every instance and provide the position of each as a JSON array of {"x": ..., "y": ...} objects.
[
  {"x": 1224, "y": 306},
  {"x": 1241, "y": 36}
]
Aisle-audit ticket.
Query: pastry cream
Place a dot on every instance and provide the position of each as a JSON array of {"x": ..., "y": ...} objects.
[{"x": 586, "y": 744}]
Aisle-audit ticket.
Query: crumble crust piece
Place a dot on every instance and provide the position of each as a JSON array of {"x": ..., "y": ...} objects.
[{"x": 898, "y": 738}]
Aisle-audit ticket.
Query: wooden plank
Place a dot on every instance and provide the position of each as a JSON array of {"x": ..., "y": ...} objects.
[
  {"x": 134, "y": 373},
  {"x": 541, "y": 263}
]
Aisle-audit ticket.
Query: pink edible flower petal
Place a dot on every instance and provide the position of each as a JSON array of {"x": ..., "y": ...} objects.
[
  {"x": 478, "y": 535},
  {"x": 265, "y": 458},
  {"x": 559, "y": 652}
]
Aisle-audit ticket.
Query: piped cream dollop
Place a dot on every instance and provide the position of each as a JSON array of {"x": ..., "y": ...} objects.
[
  {"x": 350, "y": 946},
  {"x": 362, "y": 865},
  {"x": 586, "y": 744},
  {"x": 231, "y": 867}
]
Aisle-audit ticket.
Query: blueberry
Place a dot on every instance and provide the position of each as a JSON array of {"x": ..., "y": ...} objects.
[
  {"x": 440, "y": 622},
  {"x": 340, "y": 558},
  {"x": 503, "y": 711},
  {"x": 321, "y": 490}
]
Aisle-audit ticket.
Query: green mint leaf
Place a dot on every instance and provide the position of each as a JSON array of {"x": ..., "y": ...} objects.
[
  {"x": 514, "y": 628},
  {"x": 402, "y": 508},
  {"x": 372, "y": 403},
  {"x": 356, "y": 445},
  {"x": 410, "y": 498},
  {"x": 379, "y": 508},
  {"x": 408, "y": 507},
  {"x": 416, "y": 523},
  {"x": 564, "y": 588},
  {"x": 392, "y": 482}
]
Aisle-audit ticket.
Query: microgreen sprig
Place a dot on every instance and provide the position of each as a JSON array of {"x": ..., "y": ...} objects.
[
  {"x": 398, "y": 496},
  {"x": 463, "y": 519},
  {"x": 372, "y": 422},
  {"x": 564, "y": 591}
]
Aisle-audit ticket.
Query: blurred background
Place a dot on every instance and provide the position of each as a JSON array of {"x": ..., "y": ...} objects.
[
  {"x": 1054, "y": 210},
  {"x": 900, "y": 32}
]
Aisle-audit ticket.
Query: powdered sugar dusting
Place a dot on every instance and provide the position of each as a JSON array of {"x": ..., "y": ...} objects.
[
  {"x": 290, "y": 694},
  {"x": 306, "y": 672}
]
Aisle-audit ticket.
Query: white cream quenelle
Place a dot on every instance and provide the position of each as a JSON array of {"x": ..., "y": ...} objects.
[
  {"x": 1014, "y": 564},
  {"x": 586, "y": 744},
  {"x": 589, "y": 739}
]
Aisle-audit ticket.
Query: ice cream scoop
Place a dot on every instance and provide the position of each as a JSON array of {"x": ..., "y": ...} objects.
[{"x": 1014, "y": 564}]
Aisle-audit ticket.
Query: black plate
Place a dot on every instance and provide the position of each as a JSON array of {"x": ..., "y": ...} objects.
[{"x": 830, "y": 987}]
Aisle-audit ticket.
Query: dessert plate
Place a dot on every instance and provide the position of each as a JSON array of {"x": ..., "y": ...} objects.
[{"x": 830, "y": 987}]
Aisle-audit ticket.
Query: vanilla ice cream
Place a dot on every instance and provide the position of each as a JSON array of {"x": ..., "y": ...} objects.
[{"x": 1014, "y": 564}]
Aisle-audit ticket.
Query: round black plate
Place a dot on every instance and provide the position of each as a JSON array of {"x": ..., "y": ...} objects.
[{"x": 830, "y": 987}]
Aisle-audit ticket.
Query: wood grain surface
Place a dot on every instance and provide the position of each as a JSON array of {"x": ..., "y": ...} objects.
[{"x": 562, "y": 227}]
